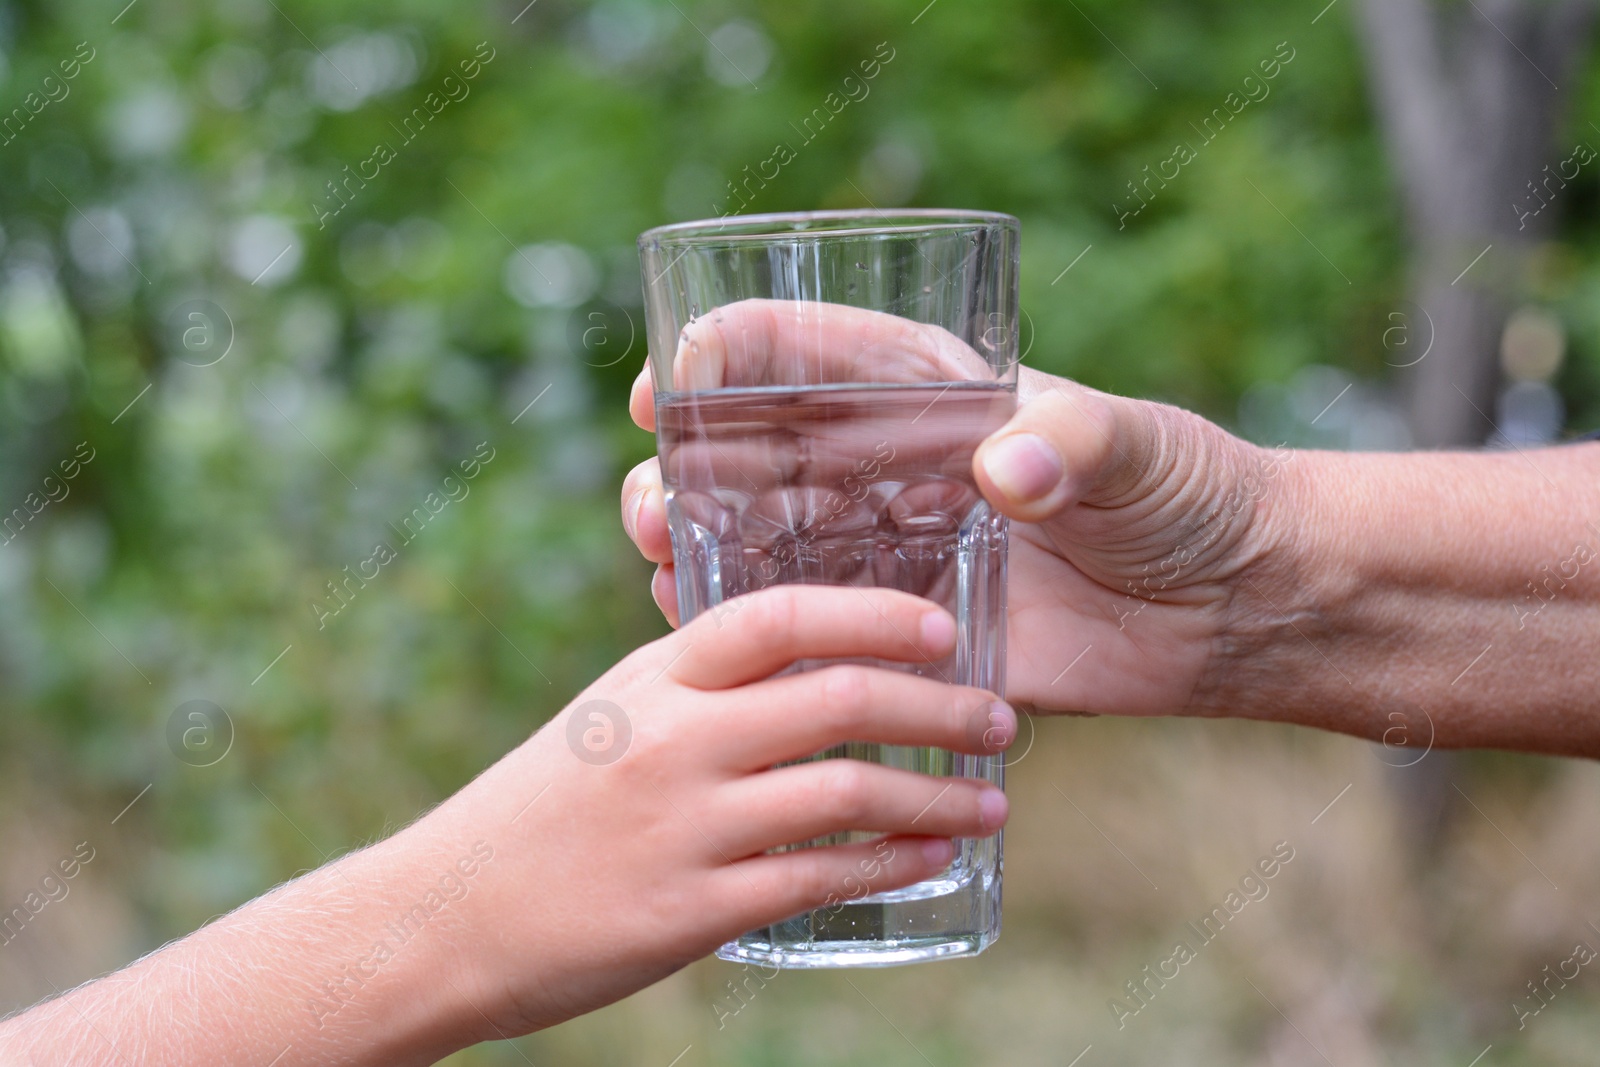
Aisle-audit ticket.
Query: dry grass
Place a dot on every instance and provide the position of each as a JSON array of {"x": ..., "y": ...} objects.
[{"x": 1389, "y": 938}]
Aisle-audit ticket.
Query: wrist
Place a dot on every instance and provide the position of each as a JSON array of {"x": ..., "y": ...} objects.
[
  {"x": 1276, "y": 633},
  {"x": 406, "y": 981},
  {"x": 1385, "y": 582},
  {"x": 363, "y": 972}
]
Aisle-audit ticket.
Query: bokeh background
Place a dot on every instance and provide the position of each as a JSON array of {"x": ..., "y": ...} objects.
[{"x": 267, "y": 373}]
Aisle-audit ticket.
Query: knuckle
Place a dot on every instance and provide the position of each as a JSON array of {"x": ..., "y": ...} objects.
[
  {"x": 961, "y": 706},
  {"x": 846, "y": 789},
  {"x": 846, "y": 699},
  {"x": 811, "y": 881},
  {"x": 773, "y": 615},
  {"x": 973, "y": 805}
]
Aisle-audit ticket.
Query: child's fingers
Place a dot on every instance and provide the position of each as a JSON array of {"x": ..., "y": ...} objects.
[
  {"x": 644, "y": 511},
  {"x": 753, "y": 636},
  {"x": 766, "y": 889},
  {"x": 799, "y": 715},
  {"x": 790, "y": 805}
]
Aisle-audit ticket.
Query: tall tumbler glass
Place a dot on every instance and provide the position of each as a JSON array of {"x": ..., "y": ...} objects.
[{"x": 821, "y": 383}]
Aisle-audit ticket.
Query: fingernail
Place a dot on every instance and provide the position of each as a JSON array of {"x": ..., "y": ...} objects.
[
  {"x": 630, "y": 514},
  {"x": 1024, "y": 467},
  {"x": 938, "y": 851},
  {"x": 992, "y": 808},
  {"x": 938, "y": 630}
]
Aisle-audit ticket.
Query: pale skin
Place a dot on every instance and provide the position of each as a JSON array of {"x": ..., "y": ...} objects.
[
  {"x": 1451, "y": 597},
  {"x": 554, "y": 883}
]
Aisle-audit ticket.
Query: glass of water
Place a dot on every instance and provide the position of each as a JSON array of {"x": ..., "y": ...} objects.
[{"x": 822, "y": 381}]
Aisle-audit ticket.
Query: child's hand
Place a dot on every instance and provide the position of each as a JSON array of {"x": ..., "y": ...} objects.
[
  {"x": 634, "y": 840},
  {"x": 626, "y": 838}
]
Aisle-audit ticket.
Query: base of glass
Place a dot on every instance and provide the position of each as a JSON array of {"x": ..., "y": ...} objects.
[
  {"x": 952, "y": 915},
  {"x": 825, "y": 955}
]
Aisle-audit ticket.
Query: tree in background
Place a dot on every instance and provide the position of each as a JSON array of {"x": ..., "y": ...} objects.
[{"x": 1470, "y": 98}]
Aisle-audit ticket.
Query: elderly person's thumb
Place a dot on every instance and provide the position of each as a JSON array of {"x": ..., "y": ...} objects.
[{"x": 1067, "y": 444}]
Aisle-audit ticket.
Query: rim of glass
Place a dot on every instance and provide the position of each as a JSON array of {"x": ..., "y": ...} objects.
[{"x": 848, "y": 222}]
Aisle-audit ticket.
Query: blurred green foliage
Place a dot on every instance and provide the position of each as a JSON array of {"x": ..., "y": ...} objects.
[{"x": 489, "y": 266}]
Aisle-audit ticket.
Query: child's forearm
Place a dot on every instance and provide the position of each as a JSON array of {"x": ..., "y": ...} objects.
[
  {"x": 562, "y": 879},
  {"x": 333, "y": 968}
]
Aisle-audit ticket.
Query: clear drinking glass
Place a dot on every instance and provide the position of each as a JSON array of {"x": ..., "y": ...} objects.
[{"x": 821, "y": 383}]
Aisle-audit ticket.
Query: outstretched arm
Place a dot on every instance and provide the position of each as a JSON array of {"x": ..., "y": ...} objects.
[
  {"x": 628, "y": 837},
  {"x": 1456, "y": 593},
  {"x": 290, "y": 978}
]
